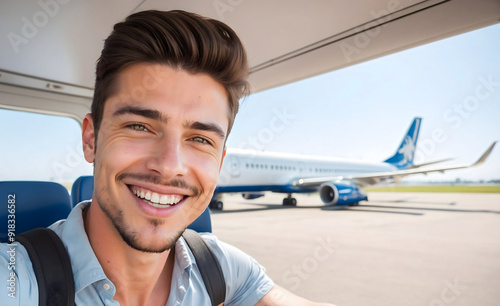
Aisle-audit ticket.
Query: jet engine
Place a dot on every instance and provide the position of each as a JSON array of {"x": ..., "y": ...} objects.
[
  {"x": 338, "y": 193},
  {"x": 252, "y": 195}
]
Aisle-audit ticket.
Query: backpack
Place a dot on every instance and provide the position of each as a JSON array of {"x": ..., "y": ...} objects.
[{"x": 54, "y": 275}]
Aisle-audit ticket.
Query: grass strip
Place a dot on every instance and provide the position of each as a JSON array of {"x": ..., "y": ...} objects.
[{"x": 438, "y": 188}]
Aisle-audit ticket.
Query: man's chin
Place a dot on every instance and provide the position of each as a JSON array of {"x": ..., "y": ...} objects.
[
  {"x": 141, "y": 240},
  {"x": 154, "y": 246}
]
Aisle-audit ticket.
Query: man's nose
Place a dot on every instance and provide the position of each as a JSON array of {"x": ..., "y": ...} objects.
[{"x": 167, "y": 159}]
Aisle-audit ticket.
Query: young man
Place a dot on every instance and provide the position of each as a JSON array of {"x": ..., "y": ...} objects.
[{"x": 166, "y": 94}]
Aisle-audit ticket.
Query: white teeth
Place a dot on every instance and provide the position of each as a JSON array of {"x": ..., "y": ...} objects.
[
  {"x": 157, "y": 205},
  {"x": 157, "y": 200},
  {"x": 166, "y": 199}
]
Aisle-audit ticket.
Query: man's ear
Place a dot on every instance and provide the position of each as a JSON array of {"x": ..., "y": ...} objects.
[
  {"x": 88, "y": 138},
  {"x": 222, "y": 160}
]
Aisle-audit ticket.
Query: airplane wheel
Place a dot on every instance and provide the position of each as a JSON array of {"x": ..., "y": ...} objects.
[
  {"x": 289, "y": 202},
  {"x": 218, "y": 205}
]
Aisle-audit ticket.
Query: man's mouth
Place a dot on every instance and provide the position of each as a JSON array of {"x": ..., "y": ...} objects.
[{"x": 156, "y": 199}]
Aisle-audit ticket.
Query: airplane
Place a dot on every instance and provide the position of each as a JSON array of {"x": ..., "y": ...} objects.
[
  {"x": 50, "y": 45},
  {"x": 338, "y": 181}
]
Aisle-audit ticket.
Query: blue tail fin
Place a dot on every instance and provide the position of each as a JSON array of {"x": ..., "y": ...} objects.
[{"x": 403, "y": 158}]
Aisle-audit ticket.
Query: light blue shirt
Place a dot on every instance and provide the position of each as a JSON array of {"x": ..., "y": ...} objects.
[{"x": 246, "y": 281}]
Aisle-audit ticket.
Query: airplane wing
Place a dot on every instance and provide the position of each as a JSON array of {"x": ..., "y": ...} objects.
[
  {"x": 430, "y": 163},
  {"x": 374, "y": 178}
]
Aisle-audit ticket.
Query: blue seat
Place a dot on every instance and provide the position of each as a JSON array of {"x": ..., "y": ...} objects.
[
  {"x": 83, "y": 188},
  {"x": 203, "y": 224},
  {"x": 36, "y": 204}
]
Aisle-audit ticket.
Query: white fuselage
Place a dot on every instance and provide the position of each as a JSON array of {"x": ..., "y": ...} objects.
[{"x": 253, "y": 168}]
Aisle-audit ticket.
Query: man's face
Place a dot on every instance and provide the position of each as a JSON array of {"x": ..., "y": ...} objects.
[{"x": 158, "y": 153}]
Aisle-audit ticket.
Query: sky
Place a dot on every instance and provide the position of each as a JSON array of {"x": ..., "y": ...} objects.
[{"x": 360, "y": 112}]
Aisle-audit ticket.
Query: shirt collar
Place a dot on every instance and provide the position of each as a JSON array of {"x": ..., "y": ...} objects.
[{"x": 182, "y": 255}]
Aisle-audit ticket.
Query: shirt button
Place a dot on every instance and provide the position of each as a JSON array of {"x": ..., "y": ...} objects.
[{"x": 106, "y": 286}]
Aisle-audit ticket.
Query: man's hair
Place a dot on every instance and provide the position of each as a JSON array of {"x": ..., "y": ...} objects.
[{"x": 180, "y": 40}]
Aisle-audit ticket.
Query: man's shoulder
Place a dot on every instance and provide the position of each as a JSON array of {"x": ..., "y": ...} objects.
[
  {"x": 13, "y": 258},
  {"x": 222, "y": 249},
  {"x": 246, "y": 280},
  {"x": 226, "y": 251},
  {"x": 17, "y": 270}
]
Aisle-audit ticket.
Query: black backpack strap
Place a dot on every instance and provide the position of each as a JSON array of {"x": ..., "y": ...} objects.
[
  {"x": 52, "y": 267},
  {"x": 209, "y": 266}
]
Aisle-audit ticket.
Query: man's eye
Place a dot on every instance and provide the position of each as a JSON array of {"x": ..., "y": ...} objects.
[
  {"x": 137, "y": 127},
  {"x": 201, "y": 140}
]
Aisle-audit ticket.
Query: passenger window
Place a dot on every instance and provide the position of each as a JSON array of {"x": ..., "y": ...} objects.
[{"x": 41, "y": 147}]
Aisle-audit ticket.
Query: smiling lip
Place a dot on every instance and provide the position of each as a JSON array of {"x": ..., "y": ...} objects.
[
  {"x": 157, "y": 199},
  {"x": 157, "y": 204}
]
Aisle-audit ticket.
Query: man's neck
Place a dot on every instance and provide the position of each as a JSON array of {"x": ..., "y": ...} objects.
[{"x": 140, "y": 278}]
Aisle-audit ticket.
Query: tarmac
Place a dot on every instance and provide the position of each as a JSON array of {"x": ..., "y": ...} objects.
[{"x": 408, "y": 249}]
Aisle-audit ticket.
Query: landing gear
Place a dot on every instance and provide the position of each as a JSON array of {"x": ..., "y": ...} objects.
[
  {"x": 216, "y": 204},
  {"x": 289, "y": 201}
]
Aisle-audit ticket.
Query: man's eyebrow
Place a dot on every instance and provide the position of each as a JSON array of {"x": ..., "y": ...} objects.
[
  {"x": 206, "y": 126},
  {"x": 144, "y": 112}
]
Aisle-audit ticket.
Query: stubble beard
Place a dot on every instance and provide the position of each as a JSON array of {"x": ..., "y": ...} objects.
[{"x": 132, "y": 237}]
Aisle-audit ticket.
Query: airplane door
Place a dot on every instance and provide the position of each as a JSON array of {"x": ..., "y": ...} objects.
[
  {"x": 234, "y": 167},
  {"x": 301, "y": 168}
]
